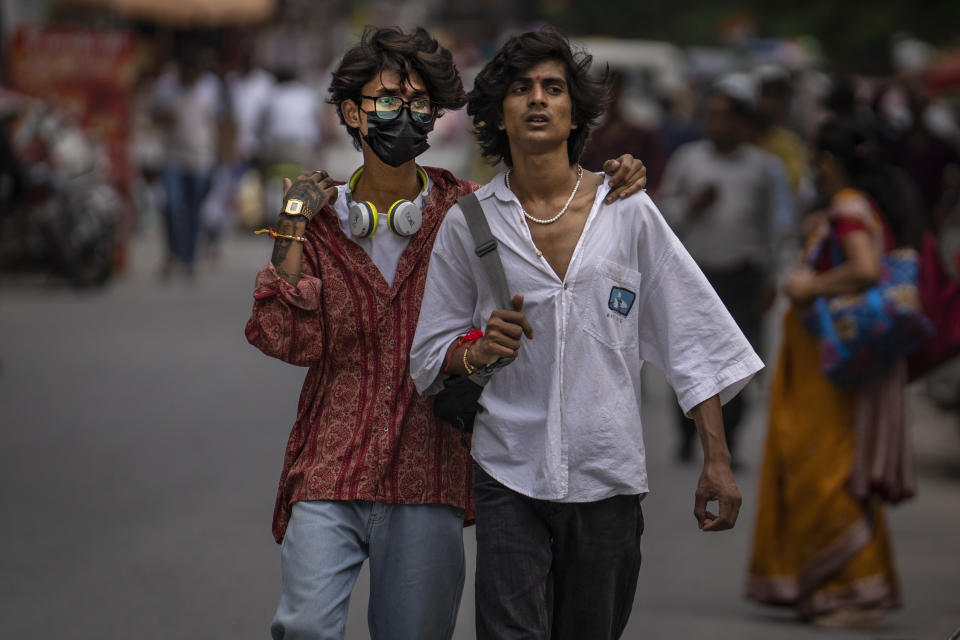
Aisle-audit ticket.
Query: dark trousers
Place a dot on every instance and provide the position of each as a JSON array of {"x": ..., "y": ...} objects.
[
  {"x": 740, "y": 290},
  {"x": 551, "y": 570}
]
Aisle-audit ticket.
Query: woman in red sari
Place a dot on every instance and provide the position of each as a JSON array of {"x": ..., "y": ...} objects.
[{"x": 832, "y": 455}]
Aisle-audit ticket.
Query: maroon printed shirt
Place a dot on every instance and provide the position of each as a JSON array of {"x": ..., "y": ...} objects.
[{"x": 362, "y": 431}]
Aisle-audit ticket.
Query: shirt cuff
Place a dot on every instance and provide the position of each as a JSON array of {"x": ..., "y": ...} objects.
[
  {"x": 306, "y": 295},
  {"x": 727, "y": 384}
]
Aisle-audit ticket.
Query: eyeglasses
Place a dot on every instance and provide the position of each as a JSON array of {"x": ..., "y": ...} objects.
[{"x": 388, "y": 107}]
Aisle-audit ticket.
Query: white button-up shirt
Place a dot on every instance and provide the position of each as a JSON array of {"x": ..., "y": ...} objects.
[{"x": 562, "y": 422}]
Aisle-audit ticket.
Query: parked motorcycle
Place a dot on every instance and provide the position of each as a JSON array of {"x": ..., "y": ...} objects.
[{"x": 65, "y": 219}]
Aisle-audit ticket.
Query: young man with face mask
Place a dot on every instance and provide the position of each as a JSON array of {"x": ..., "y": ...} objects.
[
  {"x": 369, "y": 472},
  {"x": 558, "y": 448}
]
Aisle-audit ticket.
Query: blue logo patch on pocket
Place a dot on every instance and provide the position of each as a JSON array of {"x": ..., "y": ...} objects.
[{"x": 621, "y": 300}]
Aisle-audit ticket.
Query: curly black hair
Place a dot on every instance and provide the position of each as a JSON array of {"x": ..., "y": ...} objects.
[
  {"x": 389, "y": 48},
  {"x": 589, "y": 93}
]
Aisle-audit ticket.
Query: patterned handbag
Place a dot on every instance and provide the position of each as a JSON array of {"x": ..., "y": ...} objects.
[{"x": 862, "y": 335}]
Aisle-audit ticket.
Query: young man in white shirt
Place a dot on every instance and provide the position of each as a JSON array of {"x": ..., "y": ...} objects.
[{"x": 558, "y": 449}]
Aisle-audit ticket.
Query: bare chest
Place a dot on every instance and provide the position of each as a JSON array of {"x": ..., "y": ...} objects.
[{"x": 557, "y": 241}]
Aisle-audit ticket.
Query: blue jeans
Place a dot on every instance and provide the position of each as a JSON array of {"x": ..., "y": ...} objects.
[
  {"x": 185, "y": 190},
  {"x": 555, "y": 570},
  {"x": 416, "y": 569}
]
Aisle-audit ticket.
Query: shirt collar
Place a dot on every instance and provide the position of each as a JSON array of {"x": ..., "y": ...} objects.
[{"x": 496, "y": 187}]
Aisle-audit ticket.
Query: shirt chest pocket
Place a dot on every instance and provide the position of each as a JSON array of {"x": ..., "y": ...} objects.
[{"x": 608, "y": 304}]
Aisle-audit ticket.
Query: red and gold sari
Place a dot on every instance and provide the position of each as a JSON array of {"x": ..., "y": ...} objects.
[{"x": 817, "y": 546}]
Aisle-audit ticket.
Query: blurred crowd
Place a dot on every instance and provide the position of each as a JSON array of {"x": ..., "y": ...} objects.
[
  {"x": 213, "y": 129},
  {"x": 728, "y": 153},
  {"x": 213, "y": 123},
  {"x": 213, "y": 138}
]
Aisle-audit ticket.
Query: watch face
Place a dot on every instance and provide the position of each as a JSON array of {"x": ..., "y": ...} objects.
[{"x": 294, "y": 207}]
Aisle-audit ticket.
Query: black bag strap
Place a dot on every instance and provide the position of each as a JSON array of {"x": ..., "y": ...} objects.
[{"x": 486, "y": 249}]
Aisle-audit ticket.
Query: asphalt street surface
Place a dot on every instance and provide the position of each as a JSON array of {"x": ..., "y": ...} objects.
[{"x": 142, "y": 439}]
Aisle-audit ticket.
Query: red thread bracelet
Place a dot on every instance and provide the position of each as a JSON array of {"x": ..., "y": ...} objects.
[{"x": 468, "y": 338}]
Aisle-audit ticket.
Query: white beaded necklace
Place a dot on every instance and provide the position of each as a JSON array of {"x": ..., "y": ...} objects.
[{"x": 562, "y": 211}]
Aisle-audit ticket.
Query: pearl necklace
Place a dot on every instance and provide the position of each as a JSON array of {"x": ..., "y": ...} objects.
[{"x": 562, "y": 211}]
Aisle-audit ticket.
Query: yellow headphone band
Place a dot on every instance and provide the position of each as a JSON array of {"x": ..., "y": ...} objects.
[
  {"x": 421, "y": 175},
  {"x": 403, "y": 216}
]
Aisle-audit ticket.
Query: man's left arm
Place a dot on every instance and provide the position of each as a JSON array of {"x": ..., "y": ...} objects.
[
  {"x": 716, "y": 479},
  {"x": 704, "y": 356}
]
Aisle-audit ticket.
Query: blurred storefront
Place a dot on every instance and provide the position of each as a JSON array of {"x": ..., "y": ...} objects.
[{"x": 88, "y": 74}]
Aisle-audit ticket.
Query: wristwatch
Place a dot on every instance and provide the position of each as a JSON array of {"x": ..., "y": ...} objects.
[{"x": 295, "y": 207}]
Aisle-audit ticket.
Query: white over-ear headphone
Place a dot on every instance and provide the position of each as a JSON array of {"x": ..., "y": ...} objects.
[{"x": 403, "y": 217}]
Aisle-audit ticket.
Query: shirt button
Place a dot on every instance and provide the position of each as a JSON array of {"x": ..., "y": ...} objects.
[
  {"x": 389, "y": 387},
  {"x": 565, "y": 285},
  {"x": 386, "y": 428},
  {"x": 363, "y": 261},
  {"x": 392, "y": 341}
]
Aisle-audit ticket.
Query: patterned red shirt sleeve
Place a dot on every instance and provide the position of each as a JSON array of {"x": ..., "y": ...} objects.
[{"x": 285, "y": 322}]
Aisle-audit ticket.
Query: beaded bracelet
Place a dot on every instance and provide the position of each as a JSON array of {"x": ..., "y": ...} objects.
[{"x": 273, "y": 234}]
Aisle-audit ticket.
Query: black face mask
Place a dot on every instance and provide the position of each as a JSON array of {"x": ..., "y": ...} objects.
[{"x": 398, "y": 140}]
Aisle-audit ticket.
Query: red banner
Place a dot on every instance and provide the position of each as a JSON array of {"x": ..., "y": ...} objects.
[{"x": 89, "y": 74}]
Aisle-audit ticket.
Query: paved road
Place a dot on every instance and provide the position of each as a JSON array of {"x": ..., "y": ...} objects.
[{"x": 141, "y": 442}]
